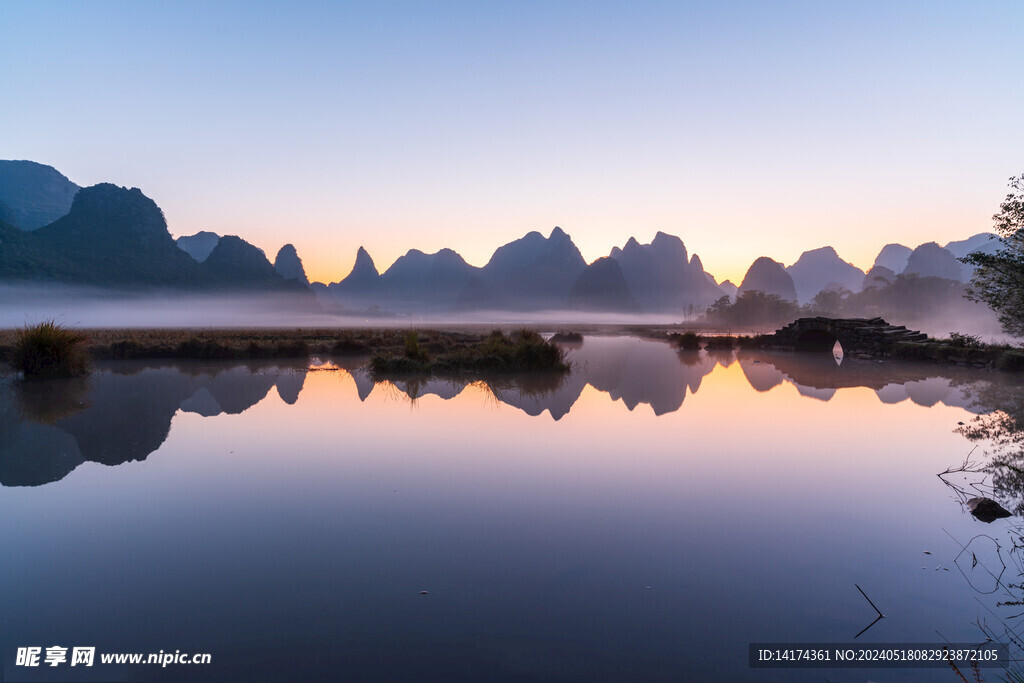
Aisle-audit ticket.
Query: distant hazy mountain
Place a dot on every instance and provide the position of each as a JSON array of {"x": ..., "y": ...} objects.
[
  {"x": 359, "y": 287},
  {"x": 602, "y": 287},
  {"x": 697, "y": 277},
  {"x": 985, "y": 242},
  {"x": 770, "y": 277},
  {"x": 200, "y": 245},
  {"x": 433, "y": 280},
  {"x": 533, "y": 272},
  {"x": 878, "y": 276},
  {"x": 931, "y": 260},
  {"x": 729, "y": 288},
  {"x": 289, "y": 265},
  {"x": 817, "y": 269},
  {"x": 364, "y": 272},
  {"x": 476, "y": 295},
  {"x": 236, "y": 264},
  {"x": 35, "y": 194},
  {"x": 894, "y": 257},
  {"x": 661, "y": 277}
]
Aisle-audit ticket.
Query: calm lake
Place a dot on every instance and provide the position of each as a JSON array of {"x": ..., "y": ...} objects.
[{"x": 642, "y": 519}]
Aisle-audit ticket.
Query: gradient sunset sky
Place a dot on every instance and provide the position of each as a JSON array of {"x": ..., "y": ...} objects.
[{"x": 746, "y": 128}]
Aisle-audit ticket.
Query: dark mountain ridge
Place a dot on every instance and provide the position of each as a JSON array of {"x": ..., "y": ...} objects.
[
  {"x": 114, "y": 237},
  {"x": 289, "y": 266},
  {"x": 34, "y": 194},
  {"x": 117, "y": 237}
]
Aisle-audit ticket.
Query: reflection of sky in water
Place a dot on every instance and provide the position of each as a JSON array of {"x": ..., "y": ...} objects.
[{"x": 289, "y": 520}]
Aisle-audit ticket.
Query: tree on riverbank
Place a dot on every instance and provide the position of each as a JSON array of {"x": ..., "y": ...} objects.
[
  {"x": 999, "y": 278},
  {"x": 752, "y": 308}
]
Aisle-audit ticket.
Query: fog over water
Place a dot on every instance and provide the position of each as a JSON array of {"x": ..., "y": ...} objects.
[{"x": 98, "y": 308}]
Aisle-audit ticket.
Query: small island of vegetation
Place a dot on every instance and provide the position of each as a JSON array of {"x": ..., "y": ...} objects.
[{"x": 522, "y": 351}]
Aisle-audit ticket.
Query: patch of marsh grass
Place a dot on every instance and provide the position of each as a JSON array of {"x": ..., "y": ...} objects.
[
  {"x": 522, "y": 351},
  {"x": 49, "y": 349}
]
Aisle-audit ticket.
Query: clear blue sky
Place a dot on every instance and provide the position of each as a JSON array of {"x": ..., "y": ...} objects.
[{"x": 747, "y": 128}]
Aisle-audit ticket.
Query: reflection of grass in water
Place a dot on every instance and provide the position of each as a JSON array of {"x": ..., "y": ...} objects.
[
  {"x": 1001, "y": 434},
  {"x": 531, "y": 386},
  {"x": 689, "y": 358},
  {"x": 721, "y": 356},
  {"x": 410, "y": 390},
  {"x": 720, "y": 343},
  {"x": 52, "y": 400},
  {"x": 410, "y": 387}
]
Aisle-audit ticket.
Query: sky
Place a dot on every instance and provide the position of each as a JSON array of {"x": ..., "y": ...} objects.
[{"x": 746, "y": 128}]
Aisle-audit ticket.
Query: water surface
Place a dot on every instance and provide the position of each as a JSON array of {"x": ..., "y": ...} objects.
[{"x": 642, "y": 519}]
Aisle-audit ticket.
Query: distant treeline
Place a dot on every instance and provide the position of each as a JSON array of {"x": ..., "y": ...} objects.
[{"x": 908, "y": 299}]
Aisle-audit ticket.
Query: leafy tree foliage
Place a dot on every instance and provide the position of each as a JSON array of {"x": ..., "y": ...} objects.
[
  {"x": 755, "y": 308},
  {"x": 908, "y": 299},
  {"x": 999, "y": 278}
]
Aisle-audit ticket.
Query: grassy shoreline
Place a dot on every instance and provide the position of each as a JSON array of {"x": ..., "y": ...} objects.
[
  {"x": 450, "y": 350},
  {"x": 437, "y": 351}
]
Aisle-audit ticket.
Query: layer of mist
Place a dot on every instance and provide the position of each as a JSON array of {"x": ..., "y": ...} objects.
[{"x": 85, "y": 307}]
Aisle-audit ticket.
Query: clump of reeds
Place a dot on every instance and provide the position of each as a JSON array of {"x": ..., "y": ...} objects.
[
  {"x": 757, "y": 341},
  {"x": 685, "y": 341},
  {"x": 720, "y": 343},
  {"x": 522, "y": 351},
  {"x": 207, "y": 349},
  {"x": 566, "y": 337},
  {"x": 347, "y": 343},
  {"x": 295, "y": 348},
  {"x": 412, "y": 348},
  {"x": 50, "y": 350},
  {"x": 412, "y": 361},
  {"x": 530, "y": 352}
]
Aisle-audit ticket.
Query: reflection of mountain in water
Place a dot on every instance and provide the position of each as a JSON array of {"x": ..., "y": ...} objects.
[
  {"x": 629, "y": 370},
  {"x": 818, "y": 376},
  {"x": 124, "y": 412},
  {"x": 650, "y": 372},
  {"x": 125, "y": 415}
]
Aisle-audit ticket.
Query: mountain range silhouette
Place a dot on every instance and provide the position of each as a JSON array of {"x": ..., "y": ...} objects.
[{"x": 52, "y": 231}]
